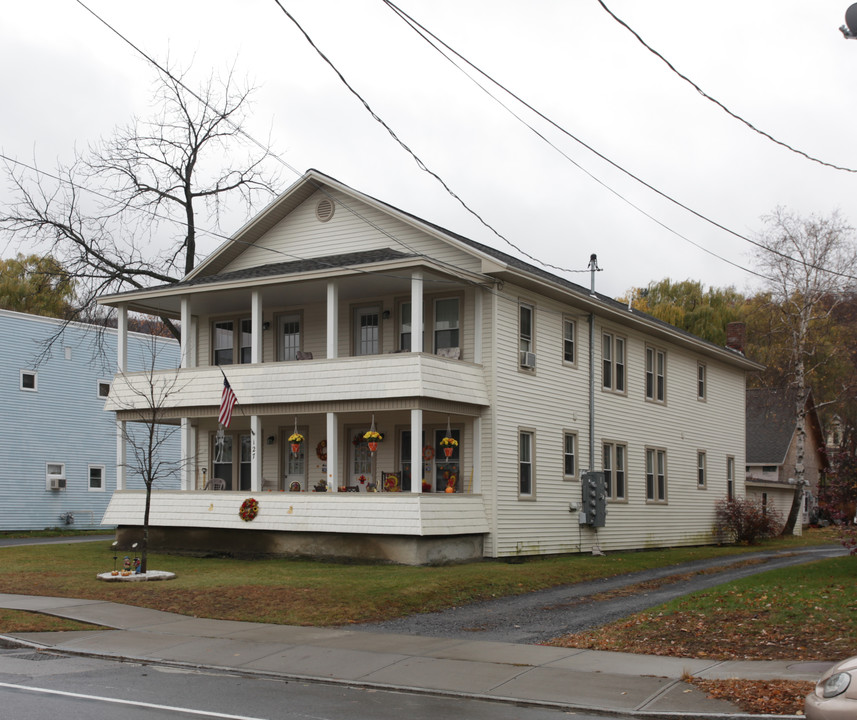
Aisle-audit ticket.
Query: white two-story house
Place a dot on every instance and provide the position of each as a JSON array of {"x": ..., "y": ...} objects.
[{"x": 332, "y": 313}]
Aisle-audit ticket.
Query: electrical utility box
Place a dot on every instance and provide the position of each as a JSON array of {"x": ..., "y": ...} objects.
[{"x": 594, "y": 496}]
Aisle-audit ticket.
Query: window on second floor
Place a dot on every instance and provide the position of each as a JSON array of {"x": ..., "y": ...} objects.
[
  {"x": 29, "y": 381},
  {"x": 701, "y": 384},
  {"x": 568, "y": 341},
  {"x": 730, "y": 478},
  {"x": 232, "y": 341},
  {"x": 446, "y": 324},
  {"x": 656, "y": 379},
  {"x": 613, "y": 362},
  {"x": 96, "y": 477}
]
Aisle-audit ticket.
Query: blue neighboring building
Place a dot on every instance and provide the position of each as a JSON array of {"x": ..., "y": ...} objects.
[{"x": 57, "y": 443}]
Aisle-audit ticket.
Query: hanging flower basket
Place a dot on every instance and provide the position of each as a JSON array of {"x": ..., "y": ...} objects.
[
  {"x": 249, "y": 509},
  {"x": 373, "y": 437},
  {"x": 448, "y": 444},
  {"x": 296, "y": 439}
]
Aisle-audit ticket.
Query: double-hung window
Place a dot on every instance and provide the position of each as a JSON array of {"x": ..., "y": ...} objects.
[
  {"x": 701, "y": 382},
  {"x": 656, "y": 368},
  {"x": 613, "y": 362},
  {"x": 526, "y": 338},
  {"x": 730, "y": 478},
  {"x": 96, "y": 477},
  {"x": 446, "y": 324},
  {"x": 569, "y": 465},
  {"x": 701, "y": 476},
  {"x": 656, "y": 475},
  {"x": 568, "y": 341},
  {"x": 232, "y": 339},
  {"x": 525, "y": 464},
  {"x": 613, "y": 462}
]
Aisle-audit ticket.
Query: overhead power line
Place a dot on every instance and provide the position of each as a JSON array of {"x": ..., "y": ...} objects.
[
  {"x": 423, "y": 32},
  {"x": 716, "y": 101}
]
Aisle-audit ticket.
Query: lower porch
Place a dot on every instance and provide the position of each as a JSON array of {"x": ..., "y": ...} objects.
[{"x": 406, "y": 528}]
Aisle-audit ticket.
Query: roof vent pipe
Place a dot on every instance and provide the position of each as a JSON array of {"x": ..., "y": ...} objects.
[{"x": 593, "y": 266}]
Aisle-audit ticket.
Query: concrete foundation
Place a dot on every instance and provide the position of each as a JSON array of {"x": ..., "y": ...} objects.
[{"x": 400, "y": 549}]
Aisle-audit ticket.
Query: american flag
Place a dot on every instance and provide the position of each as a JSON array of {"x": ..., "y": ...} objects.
[{"x": 227, "y": 402}]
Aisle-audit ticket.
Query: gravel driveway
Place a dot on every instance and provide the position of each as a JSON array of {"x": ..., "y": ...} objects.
[{"x": 545, "y": 614}]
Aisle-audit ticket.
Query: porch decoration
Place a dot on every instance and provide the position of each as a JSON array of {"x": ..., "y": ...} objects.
[
  {"x": 373, "y": 437},
  {"x": 448, "y": 443},
  {"x": 391, "y": 483},
  {"x": 321, "y": 450},
  {"x": 296, "y": 439},
  {"x": 249, "y": 509},
  {"x": 450, "y": 482},
  {"x": 428, "y": 453},
  {"x": 295, "y": 486}
]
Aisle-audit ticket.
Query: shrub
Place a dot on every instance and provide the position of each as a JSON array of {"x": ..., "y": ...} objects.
[{"x": 746, "y": 520}]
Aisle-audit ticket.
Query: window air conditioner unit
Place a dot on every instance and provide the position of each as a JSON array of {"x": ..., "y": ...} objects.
[
  {"x": 57, "y": 483},
  {"x": 528, "y": 360}
]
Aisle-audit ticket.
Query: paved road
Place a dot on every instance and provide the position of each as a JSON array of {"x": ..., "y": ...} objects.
[{"x": 537, "y": 617}]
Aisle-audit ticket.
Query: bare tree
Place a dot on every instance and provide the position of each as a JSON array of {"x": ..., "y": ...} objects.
[
  {"x": 101, "y": 215},
  {"x": 811, "y": 262},
  {"x": 149, "y": 438}
]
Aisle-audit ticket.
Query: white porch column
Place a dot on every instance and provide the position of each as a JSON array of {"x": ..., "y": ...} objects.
[
  {"x": 120, "y": 455},
  {"x": 477, "y": 325},
  {"x": 256, "y": 328},
  {"x": 416, "y": 447},
  {"x": 332, "y": 327},
  {"x": 188, "y": 453},
  {"x": 187, "y": 335},
  {"x": 477, "y": 455},
  {"x": 332, "y": 451},
  {"x": 417, "y": 313},
  {"x": 193, "y": 357},
  {"x": 255, "y": 453},
  {"x": 122, "y": 338}
]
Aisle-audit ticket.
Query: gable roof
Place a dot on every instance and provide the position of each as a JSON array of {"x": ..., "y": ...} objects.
[
  {"x": 771, "y": 424},
  {"x": 495, "y": 263}
]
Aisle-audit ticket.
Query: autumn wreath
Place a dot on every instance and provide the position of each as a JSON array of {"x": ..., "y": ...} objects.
[
  {"x": 321, "y": 451},
  {"x": 249, "y": 509}
]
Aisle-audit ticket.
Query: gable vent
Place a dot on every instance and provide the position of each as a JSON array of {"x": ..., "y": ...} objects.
[{"x": 324, "y": 209}]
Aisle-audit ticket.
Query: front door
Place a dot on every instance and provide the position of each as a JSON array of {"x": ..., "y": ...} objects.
[
  {"x": 294, "y": 464},
  {"x": 360, "y": 463}
]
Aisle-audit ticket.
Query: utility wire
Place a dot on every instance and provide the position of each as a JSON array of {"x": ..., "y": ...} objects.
[
  {"x": 426, "y": 34},
  {"x": 715, "y": 100},
  {"x": 407, "y": 149},
  {"x": 424, "y": 31}
]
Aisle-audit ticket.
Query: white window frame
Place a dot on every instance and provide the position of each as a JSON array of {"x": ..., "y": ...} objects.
[
  {"x": 656, "y": 375},
  {"x": 55, "y": 475},
  {"x": 656, "y": 476},
  {"x": 526, "y": 460},
  {"x": 701, "y": 470},
  {"x": 569, "y": 328},
  {"x": 569, "y": 436},
  {"x": 437, "y": 329},
  {"x": 614, "y": 460},
  {"x": 357, "y": 345},
  {"x": 34, "y": 375},
  {"x": 614, "y": 358},
  {"x": 100, "y": 384},
  {"x": 701, "y": 382},
  {"x": 89, "y": 470},
  {"x": 730, "y": 477},
  {"x": 281, "y": 319},
  {"x": 526, "y": 342},
  {"x": 237, "y": 336}
]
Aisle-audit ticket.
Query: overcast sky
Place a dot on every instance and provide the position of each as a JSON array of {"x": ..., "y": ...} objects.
[{"x": 780, "y": 64}]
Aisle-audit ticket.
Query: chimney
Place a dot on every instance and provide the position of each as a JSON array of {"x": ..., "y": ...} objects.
[{"x": 736, "y": 334}]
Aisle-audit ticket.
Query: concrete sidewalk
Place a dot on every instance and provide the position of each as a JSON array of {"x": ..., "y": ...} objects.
[{"x": 606, "y": 682}]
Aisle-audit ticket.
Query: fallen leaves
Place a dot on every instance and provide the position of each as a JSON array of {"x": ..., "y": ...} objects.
[{"x": 771, "y": 697}]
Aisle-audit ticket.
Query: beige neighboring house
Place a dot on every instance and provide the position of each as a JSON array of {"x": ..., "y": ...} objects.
[
  {"x": 331, "y": 313},
  {"x": 772, "y": 451}
]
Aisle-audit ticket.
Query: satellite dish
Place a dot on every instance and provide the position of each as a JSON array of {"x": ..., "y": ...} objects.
[{"x": 851, "y": 19}]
